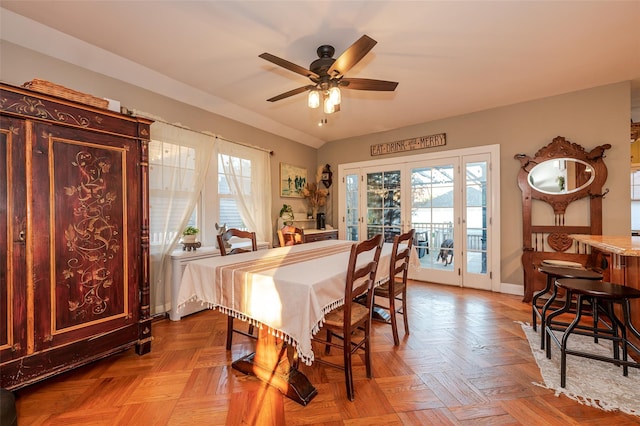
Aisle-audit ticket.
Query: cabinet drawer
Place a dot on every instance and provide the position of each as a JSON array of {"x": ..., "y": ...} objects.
[{"x": 321, "y": 236}]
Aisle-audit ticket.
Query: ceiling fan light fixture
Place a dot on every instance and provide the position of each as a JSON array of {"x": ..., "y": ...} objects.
[
  {"x": 329, "y": 107},
  {"x": 334, "y": 95},
  {"x": 314, "y": 99},
  {"x": 327, "y": 75}
]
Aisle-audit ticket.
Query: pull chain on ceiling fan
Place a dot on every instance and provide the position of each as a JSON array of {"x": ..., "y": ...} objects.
[{"x": 328, "y": 75}]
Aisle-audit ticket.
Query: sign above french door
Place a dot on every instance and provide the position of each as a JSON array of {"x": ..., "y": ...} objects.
[{"x": 412, "y": 144}]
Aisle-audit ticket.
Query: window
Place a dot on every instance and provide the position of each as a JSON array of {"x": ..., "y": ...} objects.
[
  {"x": 229, "y": 212},
  {"x": 178, "y": 163},
  {"x": 189, "y": 185},
  {"x": 169, "y": 163},
  {"x": 242, "y": 193}
]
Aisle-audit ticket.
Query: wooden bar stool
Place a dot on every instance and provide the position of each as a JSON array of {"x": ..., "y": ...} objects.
[
  {"x": 539, "y": 309},
  {"x": 605, "y": 295}
]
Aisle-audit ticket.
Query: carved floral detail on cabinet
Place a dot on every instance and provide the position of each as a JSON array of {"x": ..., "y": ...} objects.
[
  {"x": 37, "y": 108},
  {"x": 93, "y": 240}
]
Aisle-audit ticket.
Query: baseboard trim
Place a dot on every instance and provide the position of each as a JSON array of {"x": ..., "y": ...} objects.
[{"x": 515, "y": 289}]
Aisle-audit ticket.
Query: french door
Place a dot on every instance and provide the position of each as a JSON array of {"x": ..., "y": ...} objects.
[
  {"x": 434, "y": 212},
  {"x": 448, "y": 200}
]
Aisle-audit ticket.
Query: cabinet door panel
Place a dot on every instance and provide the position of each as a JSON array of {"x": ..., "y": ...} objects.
[
  {"x": 83, "y": 202},
  {"x": 12, "y": 246}
]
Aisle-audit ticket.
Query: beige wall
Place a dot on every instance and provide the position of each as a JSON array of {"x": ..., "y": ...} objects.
[
  {"x": 590, "y": 118},
  {"x": 19, "y": 65}
]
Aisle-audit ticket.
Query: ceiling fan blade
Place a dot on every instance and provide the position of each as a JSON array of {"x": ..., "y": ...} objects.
[
  {"x": 368, "y": 84},
  {"x": 289, "y": 65},
  {"x": 290, "y": 93},
  {"x": 352, "y": 56}
]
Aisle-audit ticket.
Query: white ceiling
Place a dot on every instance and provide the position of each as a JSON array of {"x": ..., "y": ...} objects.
[{"x": 450, "y": 57}]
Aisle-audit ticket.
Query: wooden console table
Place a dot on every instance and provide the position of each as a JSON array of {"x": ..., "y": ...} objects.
[{"x": 311, "y": 234}]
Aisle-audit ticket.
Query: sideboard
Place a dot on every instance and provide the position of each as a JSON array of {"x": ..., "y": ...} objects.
[{"x": 311, "y": 234}]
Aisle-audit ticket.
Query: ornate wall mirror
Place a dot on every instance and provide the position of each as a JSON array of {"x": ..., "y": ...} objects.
[
  {"x": 561, "y": 176},
  {"x": 558, "y": 174}
]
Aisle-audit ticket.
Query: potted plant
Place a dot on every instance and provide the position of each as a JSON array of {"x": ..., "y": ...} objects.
[
  {"x": 286, "y": 213},
  {"x": 189, "y": 234}
]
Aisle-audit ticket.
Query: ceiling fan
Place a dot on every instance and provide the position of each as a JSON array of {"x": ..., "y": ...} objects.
[{"x": 328, "y": 75}]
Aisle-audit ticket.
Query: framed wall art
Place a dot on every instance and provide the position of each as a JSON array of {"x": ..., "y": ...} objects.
[{"x": 292, "y": 180}]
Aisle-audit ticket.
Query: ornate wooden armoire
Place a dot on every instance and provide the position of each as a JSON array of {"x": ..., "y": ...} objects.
[{"x": 74, "y": 236}]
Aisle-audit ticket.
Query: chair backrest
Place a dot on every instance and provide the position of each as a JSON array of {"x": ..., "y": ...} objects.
[
  {"x": 290, "y": 235},
  {"x": 233, "y": 232},
  {"x": 400, "y": 254},
  {"x": 360, "y": 279}
]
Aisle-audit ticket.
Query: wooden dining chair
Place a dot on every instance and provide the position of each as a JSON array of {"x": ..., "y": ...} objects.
[
  {"x": 352, "y": 317},
  {"x": 225, "y": 251},
  {"x": 223, "y": 241},
  {"x": 290, "y": 235},
  {"x": 395, "y": 289}
]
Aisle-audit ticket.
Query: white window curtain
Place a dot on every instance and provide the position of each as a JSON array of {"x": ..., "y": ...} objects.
[
  {"x": 178, "y": 163},
  {"x": 253, "y": 196}
]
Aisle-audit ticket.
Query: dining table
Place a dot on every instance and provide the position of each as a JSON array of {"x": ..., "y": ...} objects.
[{"x": 285, "y": 292}]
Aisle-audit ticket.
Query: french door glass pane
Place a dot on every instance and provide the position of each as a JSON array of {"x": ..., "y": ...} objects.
[
  {"x": 432, "y": 214},
  {"x": 383, "y": 204},
  {"x": 476, "y": 217},
  {"x": 352, "y": 211}
]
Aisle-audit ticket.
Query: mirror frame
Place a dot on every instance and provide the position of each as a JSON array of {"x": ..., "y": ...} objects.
[
  {"x": 557, "y": 149},
  {"x": 561, "y": 190}
]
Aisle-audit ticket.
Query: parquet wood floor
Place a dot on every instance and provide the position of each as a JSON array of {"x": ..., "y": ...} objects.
[{"x": 466, "y": 362}]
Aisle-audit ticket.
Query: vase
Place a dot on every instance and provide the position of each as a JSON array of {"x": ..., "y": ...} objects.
[
  {"x": 287, "y": 218},
  {"x": 189, "y": 239}
]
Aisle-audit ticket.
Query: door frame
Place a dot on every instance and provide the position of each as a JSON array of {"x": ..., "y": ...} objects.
[{"x": 493, "y": 181}]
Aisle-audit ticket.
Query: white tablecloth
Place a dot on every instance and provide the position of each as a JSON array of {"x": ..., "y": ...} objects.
[{"x": 287, "y": 289}]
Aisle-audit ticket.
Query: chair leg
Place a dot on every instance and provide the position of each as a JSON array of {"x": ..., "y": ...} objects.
[
  {"x": 348, "y": 373},
  {"x": 404, "y": 311},
  {"x": 594, "y": 312},
  {"x": 394, "y": 321},
  {"x": 229, "y": 331},
  {"x": 534, "y": 306},
  {"x": 565, "y": 337},
  {"x": 543, "y": 315},
  {"x": 367, "y": 349}
]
